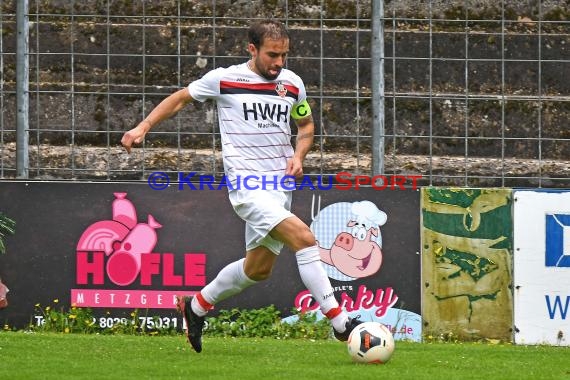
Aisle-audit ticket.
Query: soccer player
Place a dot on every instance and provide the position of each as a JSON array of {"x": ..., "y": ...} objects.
[{"x": 255, "y": 102}]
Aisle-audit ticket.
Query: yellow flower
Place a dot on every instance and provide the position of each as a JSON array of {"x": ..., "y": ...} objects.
[
  {"x": 66, "y": 330},
  {"x": 48, "y": 308},
  {"x": 55, "y": 300},
  {"x": 72, "y": 316},
  {"x": 37, "y": 305}
]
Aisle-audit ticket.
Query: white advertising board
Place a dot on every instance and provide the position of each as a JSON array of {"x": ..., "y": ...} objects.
[{"x": 541, "y": 237}]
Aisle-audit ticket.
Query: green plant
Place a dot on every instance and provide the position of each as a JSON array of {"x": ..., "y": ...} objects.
[
  {"x": 266, "y": 322},
  {"x": 306, "y": 326},
  {"x": 245, "y": 323},
  {"x": 75, "y": 320},
  {"x": 54, "y": 318},
  {"x": 7, "y": 227}
]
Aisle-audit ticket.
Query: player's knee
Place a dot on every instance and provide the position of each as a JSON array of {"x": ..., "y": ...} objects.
[
  {"x": 259, "y": 274},
  {"x": 306, "y": 239}
]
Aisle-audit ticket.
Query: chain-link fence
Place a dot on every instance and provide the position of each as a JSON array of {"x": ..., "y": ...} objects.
[{"x": 474, "y": 92}]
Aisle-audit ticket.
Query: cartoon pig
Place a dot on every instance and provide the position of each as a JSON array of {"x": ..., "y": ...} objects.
[{"x": 357, "y": 254}]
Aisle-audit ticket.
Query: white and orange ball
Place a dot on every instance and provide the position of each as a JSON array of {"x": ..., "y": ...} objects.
[{"x": 371, "y": 342}]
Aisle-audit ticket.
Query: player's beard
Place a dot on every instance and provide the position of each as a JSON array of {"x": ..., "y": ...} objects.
[{"x": 266, "y": 72}]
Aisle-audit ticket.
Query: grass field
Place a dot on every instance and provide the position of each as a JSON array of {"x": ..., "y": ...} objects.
[{"x": 78, "y": 356}]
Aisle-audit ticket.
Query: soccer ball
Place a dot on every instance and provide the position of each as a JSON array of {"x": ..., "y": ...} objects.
[{"x": 371, "y": 342}]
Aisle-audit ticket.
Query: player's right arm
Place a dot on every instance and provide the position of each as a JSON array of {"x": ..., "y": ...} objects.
[{"x": 164, "y": 110}]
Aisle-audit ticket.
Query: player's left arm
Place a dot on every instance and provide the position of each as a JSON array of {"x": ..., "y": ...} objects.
[{"x": 306, "y": 131}]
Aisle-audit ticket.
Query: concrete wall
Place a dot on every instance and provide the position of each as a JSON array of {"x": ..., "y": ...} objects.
[{"x": 95, "y": 110}]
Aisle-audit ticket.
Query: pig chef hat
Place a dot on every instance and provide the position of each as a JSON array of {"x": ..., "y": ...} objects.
[{"x": 367, "y": 213}]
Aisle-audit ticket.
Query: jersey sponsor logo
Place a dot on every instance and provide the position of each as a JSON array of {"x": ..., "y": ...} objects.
[{"x": 265, "y": 111}]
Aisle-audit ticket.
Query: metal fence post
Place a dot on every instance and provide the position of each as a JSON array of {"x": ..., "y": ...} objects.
[
  {"x": 22, "y": 83},
  {"x": 377, "y": 87}
]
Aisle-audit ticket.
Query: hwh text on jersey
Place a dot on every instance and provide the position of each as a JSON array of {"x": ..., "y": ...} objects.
[{"x": 265, "y": 111}]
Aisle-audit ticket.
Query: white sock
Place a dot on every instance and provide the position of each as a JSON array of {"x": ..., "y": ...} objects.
[
  {"x": 230, "y": 281},
  {"x": 317, "y": 282},
  {"x": 197, "y": 308},
  {"x": 339, "y": 322}
]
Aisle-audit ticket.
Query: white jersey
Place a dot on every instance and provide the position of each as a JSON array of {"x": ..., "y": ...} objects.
[{"x": 254, "y": 115}]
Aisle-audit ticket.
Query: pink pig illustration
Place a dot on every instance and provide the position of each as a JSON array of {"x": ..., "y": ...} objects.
[
  {"x": 100, "y": 236},
  {"x": 124, "y": 211},
  {"x": 124, "y": 264},
  {"x": 123, "y": 239},
  {"x": 357, "y": 254}
]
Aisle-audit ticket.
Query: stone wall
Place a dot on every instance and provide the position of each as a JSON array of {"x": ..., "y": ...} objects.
[{"x": 84, "y": 96}]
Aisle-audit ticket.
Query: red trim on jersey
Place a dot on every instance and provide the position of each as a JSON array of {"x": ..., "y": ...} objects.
[
  {"x": 257, "y": 86},
  {"x": 333, "y": 312},
  {"x": 203, "y": 302}
]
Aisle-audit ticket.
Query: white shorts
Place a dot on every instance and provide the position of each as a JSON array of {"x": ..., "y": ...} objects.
[{"x": 261, "y": 210}]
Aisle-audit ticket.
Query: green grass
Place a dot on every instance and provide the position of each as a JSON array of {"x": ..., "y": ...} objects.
[{"x": 78, "y": 356}]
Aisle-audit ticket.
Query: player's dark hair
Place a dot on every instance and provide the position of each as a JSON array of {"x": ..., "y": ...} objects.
[{"x": 269, "y": 28}]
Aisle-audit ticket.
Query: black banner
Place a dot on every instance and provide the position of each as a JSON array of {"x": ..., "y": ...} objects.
[{"x": 115, "y": 247}]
